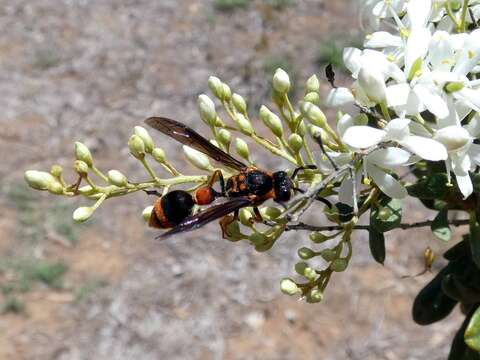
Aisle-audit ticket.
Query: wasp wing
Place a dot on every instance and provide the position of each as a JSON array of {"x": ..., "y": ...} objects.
[
  {"x": 204, "y": 217},
  {"x": 190, "y": 137}
]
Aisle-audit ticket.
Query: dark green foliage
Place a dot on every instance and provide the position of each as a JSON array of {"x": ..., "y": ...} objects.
[
  {"x": 376, "y": 242},
  {"x": 386, "y": 215},
  {"x": 229, "y": 5},
  {"x": 440, "y": 227}
]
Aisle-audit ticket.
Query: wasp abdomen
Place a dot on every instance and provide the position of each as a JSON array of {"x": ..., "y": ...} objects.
[{"x": 171, "y": 209}]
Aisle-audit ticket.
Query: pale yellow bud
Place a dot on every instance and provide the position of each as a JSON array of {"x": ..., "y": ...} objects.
[
  {"x": 227, "y": 93},
  {"x": 295, "y": 142},
  {"x": 239, "y": 103},
  {"x": 281, "y": 81},
  {"x": 207, "y": 111},
  {"x": 56, "y": 170},
  {"x": 216, "y": 87},
  {"x": 147, "y": 213},
  {"x": 244, "y": 125},
  {"x": 159, "y": 155},
  {"x": 146, "y": 138},
  {"x": 313, "y": 113},
  {"x": 83, "y": 213},
  {"x": 83, "y": 153},
  {"x": 116, "y": 178},
  {"x": 81, "y": 167},
  {"x": 271, "y": 120},
  {"x": 313, "y": 98},
  {"x": 289, "y": 287},
  {"x": 242, "y": 148},
  {"x": 196, "y": 158},
  {"x": 225, "y": 137},
  {"x": 39, "y": 180},
  {"x": 136, "y": 146},
  {"x": 313, "y": 85}
]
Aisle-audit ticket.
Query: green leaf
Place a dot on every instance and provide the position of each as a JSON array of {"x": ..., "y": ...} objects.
[
  {"x": 387, "y": 215},
  {"x": 475, "y": 242},
  {"x": 440, "y": 226},
  {"x": 376, "y": 241},
  {"x": 472, "y": 333},
  {"x": 431, "y": 187},
  {"x": 453, "y": 287},
  {"x": 459, "y": 350},
  {"x": 458, "y": 251}
]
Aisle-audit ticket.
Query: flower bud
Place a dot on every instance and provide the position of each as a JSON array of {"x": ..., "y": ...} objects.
[
  {"x": 81, "y": 167},
  {"x": 300, "y": 267},
  {"x": 281, "y": 81},
  {"x": 242, "y": 148},
  {"x": 305, "y": 253},
  {"x": 258, "y": 239},
  {"x": 55, "y": 188},
  {"x": 82, "y": 213},
  {"x": 159, "y": 155},
  {"x": 302, "y": 128},
  {"x": 207, "y": 111},
  {"x": 197, "y": 158},
  {"x": 328, "y": 254},
  {"x": 227, "y": 93},
  {"x": 82, "y": 153},
  {"x": 295, "y": 142},
  {"x": 216, "y": 87},
  {"x": 289, "y": 287},
  {"x": 384, "y": 213},
  {"x": 116, "y": 178},
  {"x": 245, "y": 217},
  {"x": 239, "y": 103},
  {"x": 233, "y": 232},
  {"x": 270, "y": 212},
  {"x": 225, "y": 137},
  {"x": 310, "y": 274},
  {"x": 39, "y": 180},
  {"x": 318, "y": 237},
  {"x": 339, "y": 265},
  {"x": 312, "y": 97},
  {"x": 136, "y": 146},
  {"x": 313, "y": 113},
  {"x": 373, "y": 84},
  {"x": 314, "y": 296},
  {"x": 313, "y": 85},
  {"x": 452, "y": 87},
  {"x": 56, "y": 171},
  {"x": 244, "y": 125},
  {"x": 146, "y": 138},
  {"x": 271, "y": 120},
  {"x": 147, "y": 213}
]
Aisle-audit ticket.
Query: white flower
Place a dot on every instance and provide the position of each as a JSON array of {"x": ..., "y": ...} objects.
[{"x": 397, "y": 130}]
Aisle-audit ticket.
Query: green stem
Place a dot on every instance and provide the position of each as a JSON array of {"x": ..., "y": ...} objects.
[
  {"x": 463, "y": 17},
  {"x": 149, "y": 169},
  {"x": 99, "y": 174},
  {"x": 384, "y": 108}
]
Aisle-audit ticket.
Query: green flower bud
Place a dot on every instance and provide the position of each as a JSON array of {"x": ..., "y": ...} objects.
[
  {"x": 313, "y": 85},
  {"x": 159, "y": 155},
  {"x": 258, "y": 239},
  {"x": 83, "y": 213},
  {"x": 305, "y": 253},
  {"x": 452, "y": 87},
  {"x": 455, "y": 4},
  {"x": 302, "y": 128},
  {"x": 197, "y": 158},
  {"x": 310, "y": 274},
  {"x": 242, "y": 148},
  {"x": 207, "y": 111},
  {"x": 245, "y": 217},
  {"x": 81, "y": 167},
  {"x": 289, "y": 287},
  {"x": 116, "y": 178},
  {"x": 271, "y": 120},
  {"x": 82, "y": 153},
  {"x": 244, "y": 125},
  {"x": 233, "y": 231},
  {"x": 239, "y": 103},
  {"x": 300, "y": 267},
  {"x": 270, "y": 212},
  {"x": 216, "y": 87},
  {"x": 56, "y": 170},
  {"x": 281, "y": 81},
  {"x": 147, "y": 213},
  {"x": 39, "y": 180},
  {"x": 313, "y": 113},
  {"x": 384, "y": 213},
  {"x": 339, "y": 265},
  {"x": 55, "y": 188},
  {"x": 136, "y": 146},
  {"x": 227, "y": 93},
  {"x": 146, "y": 138},
  {"x": 295, "y": 142},
  {"x": 84, "y": 190},
  {"x": 225, "y": 137},
  {"x": 314, "y": 296},
  {"x": 328, "y": 254},
  {"x": 318, "y": 237},
  {"x": 361, "y": 119},
  {"x": 313, "y": 98},
  {"x": 332, "y": 213}
]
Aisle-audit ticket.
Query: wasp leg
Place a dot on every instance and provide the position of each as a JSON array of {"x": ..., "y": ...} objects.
[
  {"x": 226, "y": 221},
  {"x": 153, "y": 192},
  {"x": 218, "y": 174},
  {"x": 258, "y": 217},
  {"x": 300, "y": 168}
]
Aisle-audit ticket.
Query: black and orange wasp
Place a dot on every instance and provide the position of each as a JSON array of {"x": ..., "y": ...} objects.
[{"x": 251, "y": 186}]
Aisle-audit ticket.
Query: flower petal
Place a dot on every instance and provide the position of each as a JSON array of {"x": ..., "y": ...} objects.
[
  {"x": 474, "y": 153},
  {"x": 387, "y": 183},
  {"x": 418, "y": 12},
  {"x": 382, "y": 39},
  {"x": 427, "y": 149},
  {"x": 432, "y": 100},
  {"x": 397, "y": 129},
  {"x": 362, "y": 137},
  {"x": 389, "y": 157},
  {"x": 340, "y": 96},
  {"x": 464, "y": 184},
  {"x": 397, "y": 94},
  {"x": 352, "y": 60}
]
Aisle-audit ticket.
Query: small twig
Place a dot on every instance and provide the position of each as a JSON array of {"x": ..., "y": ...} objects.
[{"x": 303, "y": 226}]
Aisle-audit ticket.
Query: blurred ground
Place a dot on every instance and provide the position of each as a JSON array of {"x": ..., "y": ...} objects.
[{"x": 91, "y": 70}]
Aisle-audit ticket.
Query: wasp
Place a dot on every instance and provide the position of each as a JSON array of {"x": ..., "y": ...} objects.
[{"x": 250, "y": 186}]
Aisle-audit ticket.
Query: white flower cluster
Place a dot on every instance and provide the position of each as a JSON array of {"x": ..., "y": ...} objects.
[{"x": 421, "y": 81}]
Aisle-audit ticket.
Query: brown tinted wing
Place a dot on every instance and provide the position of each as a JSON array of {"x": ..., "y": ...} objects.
[
  {"x": 190, "y": 137},
  {"x": 204, "y": 217}
]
